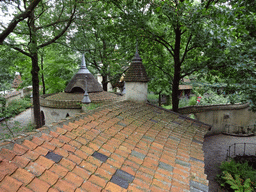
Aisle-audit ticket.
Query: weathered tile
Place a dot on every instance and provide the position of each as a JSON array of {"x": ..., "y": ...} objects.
[
  {"x": 100, "y": 156},
  {"x": 53, "y": 156},
  {"x": 165, "y": 166},
  {"x": 138, "y": 154}
]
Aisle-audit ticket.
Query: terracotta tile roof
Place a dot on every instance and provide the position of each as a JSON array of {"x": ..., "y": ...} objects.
[{"x": 125, "y": 146}]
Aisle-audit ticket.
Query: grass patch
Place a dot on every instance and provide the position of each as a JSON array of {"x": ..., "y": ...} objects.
[
  {"x": 91, "y": 106},
  {"x": 15, "y": 130},
  {"x": 167, "y": 106}
]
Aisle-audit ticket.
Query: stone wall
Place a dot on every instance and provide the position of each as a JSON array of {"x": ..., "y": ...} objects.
[
  {"x": 220, "y": 115},
  {"x": 13, "y": 95}
]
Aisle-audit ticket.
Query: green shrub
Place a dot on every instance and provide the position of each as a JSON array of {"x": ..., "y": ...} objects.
[
  {"x": 236, "y": 183},
  {"x": 92, "y": 106},
  {"x": 152, "y": 98},
  {"x": 237, "y": 176},
  {"x": 14, "y": 107},
  {"x": 18, "y": 106},
  {"x": 167, "y": 106},
  {"x": 192, "y": 101}
]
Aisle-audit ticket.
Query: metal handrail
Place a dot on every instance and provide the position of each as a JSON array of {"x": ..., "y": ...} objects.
[{"x": 242, "y": 149}]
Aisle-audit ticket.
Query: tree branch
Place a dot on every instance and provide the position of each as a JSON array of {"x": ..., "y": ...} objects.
[
  {"x": 51, "y": 24},
  {"x": 62, "y": 32},
  {"x": 209, "y": 3},
  {"x": 20, "y": 50},
  {"x": 18, "y": 18},
  {"x": 186, "y": 49},
  {"x": 164, "y": 71},
  {"x": 163, "y": 43}
]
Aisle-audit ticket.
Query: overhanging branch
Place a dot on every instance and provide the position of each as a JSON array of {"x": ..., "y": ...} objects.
[
  {"x": 18, "y": 19},
  {"x": 62, "y": 32}
]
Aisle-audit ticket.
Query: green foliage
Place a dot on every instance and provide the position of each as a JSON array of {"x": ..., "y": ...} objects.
[
  {"x": 210, "y": 97},
  {"x": 192, "y": 101},
  {"x": 14, "y": 107},
  {"x": 6, "y": 61},
  {"x": 184, "y": 102},
  {"x": 238, "y": 176},
  {"x": 58, "y": 66},
  {"x": 15, "y": 130},
  {"x": 236, "y": 183},
  {"x": 106, "y": 47},
  {"x": 167, "y": 107},
  {"x": 91, "y": 106},
  {"x": 152, "y": 98}
]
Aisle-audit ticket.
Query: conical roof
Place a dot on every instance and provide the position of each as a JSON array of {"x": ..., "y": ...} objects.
[
  {"x": 78, "y": 82},
  {"x": 136, "y": 71}
]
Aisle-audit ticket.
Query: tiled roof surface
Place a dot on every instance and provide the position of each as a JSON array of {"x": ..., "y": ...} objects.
[
  {"x": 17, "y": 81},
  {"x": 121, "y": 147},
  {"x": 98, "y": 96},
  {"x": 136, "y": 71}
]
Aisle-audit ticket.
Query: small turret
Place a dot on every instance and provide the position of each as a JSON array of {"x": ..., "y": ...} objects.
[
  {"x": 82, "y": 78},
  {"x": 136, "y": 80}
]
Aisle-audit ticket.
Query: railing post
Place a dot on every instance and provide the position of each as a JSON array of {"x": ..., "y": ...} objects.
[{"x": 234, "y": 149}]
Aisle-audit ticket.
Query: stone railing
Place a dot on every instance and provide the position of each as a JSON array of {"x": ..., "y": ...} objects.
[
  {"x": 204, "y": 108},
  {"x": 220, "y": 115}
]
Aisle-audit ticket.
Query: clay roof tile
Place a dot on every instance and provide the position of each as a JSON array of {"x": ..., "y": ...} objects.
[{"x": 126, "y": 146}]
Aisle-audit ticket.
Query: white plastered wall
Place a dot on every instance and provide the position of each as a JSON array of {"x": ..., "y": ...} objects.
[
  {"x": 54, "y": 115},
  {"x": 136, "y": 91}
]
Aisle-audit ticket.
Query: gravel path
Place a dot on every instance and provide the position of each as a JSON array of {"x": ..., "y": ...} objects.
[{"x": 215, "y": 151}]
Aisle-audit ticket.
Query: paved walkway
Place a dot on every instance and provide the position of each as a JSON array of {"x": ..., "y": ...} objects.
[{"x": 215, "y": 149}]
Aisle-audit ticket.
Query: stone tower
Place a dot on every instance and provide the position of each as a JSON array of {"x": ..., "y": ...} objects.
[{"x": 136, "y": 80}]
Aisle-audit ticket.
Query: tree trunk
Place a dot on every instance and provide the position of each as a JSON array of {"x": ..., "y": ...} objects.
[
  {"x": 168, "y": 100},
  {"x": 35, "y": 70},
  {"x": 104, "y": 68},
  {"x": 105, "y": 82},
  {"x": 35, "y": 84},
  {"x": 160, "y": 99},
  {"x": 177, "y": 69},
  {"x": 42, "y": 76}
]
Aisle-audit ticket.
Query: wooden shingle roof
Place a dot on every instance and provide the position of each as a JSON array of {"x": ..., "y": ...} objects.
[
  {"x": 82, "y": 79},
  {"x": 125, "y": 146},
  {"x": 136, "y": 71}
]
